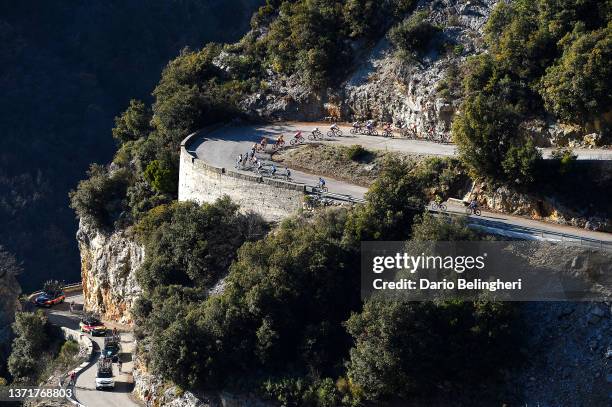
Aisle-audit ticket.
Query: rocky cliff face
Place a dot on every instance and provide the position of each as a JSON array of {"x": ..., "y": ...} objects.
[
  {"x": 506, "y": 200},
  {"x": 415, "y": 91},
  {"x": 108, "y": 266},
  {"x": 383, "y": 86},
  {"x": 161, "y": 393},
  {"x": 9, "y": 292}
]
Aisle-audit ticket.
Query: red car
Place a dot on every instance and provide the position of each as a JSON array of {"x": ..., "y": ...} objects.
[
  {"x": 49, "y": 299},
  {"x": 93, "y": 326}
]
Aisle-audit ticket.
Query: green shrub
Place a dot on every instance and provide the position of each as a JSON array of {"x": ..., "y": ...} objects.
[
  {"x": 566, "y": 159},
  {"x": 162, "y": 176},
  {"x": 356, "y": 152},
  {"x": 431, "y": 228},
  {"x": 414, "y": 34},
  {"x": 101, "y": 198},
  {"x": 29, "y": 343},
  {"x": 521, "y": 163},
  {"x": 577, "y": 88},
  {"x": 67, "y": 356},
  {"x": 192, "y": 245},
  {"x": 133, "y": 123},
  {"x": 403, "y": 347},
  {"x": 486, "y": 133}
]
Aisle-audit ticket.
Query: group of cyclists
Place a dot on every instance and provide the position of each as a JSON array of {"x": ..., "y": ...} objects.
[{"x": 250, "y": 161}]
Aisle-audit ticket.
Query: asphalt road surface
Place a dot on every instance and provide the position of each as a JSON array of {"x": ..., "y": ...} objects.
[
  {"x": 221, "y": 147},
  {"x": 85, "y": 389}
]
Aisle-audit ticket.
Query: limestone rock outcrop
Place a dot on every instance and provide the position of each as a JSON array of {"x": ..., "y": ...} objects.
[{"x": 108, "y": 271}]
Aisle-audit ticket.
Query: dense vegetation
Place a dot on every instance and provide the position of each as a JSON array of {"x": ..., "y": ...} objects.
[
  {"x": 228, "y": 305},
  {"x": 68, "y": 68},
  {"x": 289, "y": 322},
  {"x": 543, "y": 58},
  {"x": 311, "y": 39},
  {"x": 31, "y": 339}
]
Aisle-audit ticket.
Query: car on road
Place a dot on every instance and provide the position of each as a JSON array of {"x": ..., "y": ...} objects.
[
  {"x": 112, "y": 346},
  {"x": 92, "y": 325},
  {"x": 46, "y": 299},
  {"x": 104, "y": 375}
]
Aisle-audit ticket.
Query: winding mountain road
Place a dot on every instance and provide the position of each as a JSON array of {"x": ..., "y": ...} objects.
[
  {"x": 85, "y": 388},
  {"x": 221, "y": 147}
]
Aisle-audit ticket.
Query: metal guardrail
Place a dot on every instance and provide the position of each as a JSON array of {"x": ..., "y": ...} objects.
[
  {"x": 68, "y": 288},
  {"x": 545, "y": 234},
  {"x": 534, "y": 233},
  {"x": 312, "y": 190}
]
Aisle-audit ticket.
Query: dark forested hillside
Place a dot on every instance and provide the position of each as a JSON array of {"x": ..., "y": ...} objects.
[{"x": 67, "y": 68}]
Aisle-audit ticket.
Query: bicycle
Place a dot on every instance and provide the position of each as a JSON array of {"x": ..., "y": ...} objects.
[
  {"x": 438, "y": 206},
  {"x": 321, "y": 188},
  {"x": 315, "y": 135},
  {"x": 296, "y": 140},
  {"x": 472, "y": 211},
  {"x": 387, "y": 132},
  {"x": 334, "y": 132},
  {"x": 370, "y": 131},
  {"x": 356, "y": 129}
]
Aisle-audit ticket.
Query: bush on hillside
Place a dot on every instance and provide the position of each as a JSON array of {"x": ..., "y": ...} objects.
[
  {"x": 133, "y": 123},
  {"x": 162, "y": 176},
  {"x": 101, "y": 198},
  {"x": 414, "y": 34},
  {"x": 578, "y": 87},
  {"x": 29, "y": 343},
  {"x": 486, "y": 133},
  {"x": 356, "y": 152},
  {"x": 430, "y": 228},
  {"x": 193, "y": 245},
  {"x": 280, "y": 313},
  {"x": 406, "y": 347}
]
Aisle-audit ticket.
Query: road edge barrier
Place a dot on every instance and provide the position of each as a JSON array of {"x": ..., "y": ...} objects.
[
  {"x": 87, "y": 344},
  {"x": 68, "y": 288},
  {"x": 310, "y": 190}
]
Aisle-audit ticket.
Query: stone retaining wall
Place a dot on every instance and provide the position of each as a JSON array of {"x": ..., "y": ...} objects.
[{"x": 201, "y": 182}]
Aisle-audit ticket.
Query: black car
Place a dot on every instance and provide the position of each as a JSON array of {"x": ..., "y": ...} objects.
[{"x": 111, "y": 350}]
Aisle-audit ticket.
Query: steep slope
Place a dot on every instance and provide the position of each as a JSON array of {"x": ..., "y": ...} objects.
[{"x": 68, "y": 69}]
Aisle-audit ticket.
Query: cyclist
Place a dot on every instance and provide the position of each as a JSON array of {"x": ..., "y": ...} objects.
[
  {"x": 387, "y": 128},
  {"x": 238, "y": 161},
  {"x": 370, "y": 125},
  {"x": 273, "y": 169},
  {"x": 473, "y": 204},
  {"x": 119, "y": 364},
  {"x": 321, "y": 183},
  {"x": 280, "y": 141},
  {"x": 72, "y": 378},
  {"x": 298, "y": 136},
  {"x": 263, "y": 143},
  {"x": 333, "y": 127},
  {"x": 287, "y": 173},
  {"x": 356, "y": 125},
  {"x": 438, "y": 199},
  {"x": 259, "y": 165}
]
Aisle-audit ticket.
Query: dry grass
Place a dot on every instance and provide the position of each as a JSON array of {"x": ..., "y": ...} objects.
[{"x": 350, "y": 164}]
